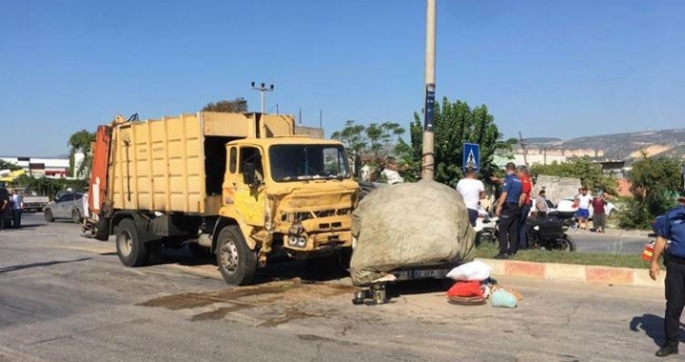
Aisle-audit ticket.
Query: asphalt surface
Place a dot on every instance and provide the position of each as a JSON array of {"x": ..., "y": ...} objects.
[
  {"x": 613, "y": 242},
  {"x": 67, "y": 298}
]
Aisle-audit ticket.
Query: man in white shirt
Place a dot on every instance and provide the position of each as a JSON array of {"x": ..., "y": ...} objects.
[
  {"x": 17, "y": 207},
  {"x": 583, "y": 201},
  {"x": 472, "y": 190}
]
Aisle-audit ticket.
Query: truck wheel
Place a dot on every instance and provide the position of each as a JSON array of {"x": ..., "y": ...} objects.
[
  {"x": 131, "y": 250},
  {"x": 236, "y": 261},
  {"x": 199, "y": 251},
  {"x": 76, "y": 216},
  {"x": 48, "y": 216}
]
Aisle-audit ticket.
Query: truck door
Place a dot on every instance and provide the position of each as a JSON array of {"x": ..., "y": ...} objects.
[{"x": 249, "y": 199}]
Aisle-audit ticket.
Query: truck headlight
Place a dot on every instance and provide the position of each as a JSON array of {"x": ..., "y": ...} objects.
[
  {"x": 301, "y": 241},
  {"x": 292, "y": 240}
]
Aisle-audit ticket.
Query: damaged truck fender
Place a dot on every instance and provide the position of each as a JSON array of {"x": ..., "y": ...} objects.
[{"x": 228, "y": 218}]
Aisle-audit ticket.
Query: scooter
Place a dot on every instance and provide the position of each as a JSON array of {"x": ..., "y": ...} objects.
[
  {"x": 486, "y": 227},
  {"x": 549, "y": 234}
]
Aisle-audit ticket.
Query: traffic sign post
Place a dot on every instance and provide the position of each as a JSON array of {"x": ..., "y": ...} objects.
[{"x": 471, "y": 156}]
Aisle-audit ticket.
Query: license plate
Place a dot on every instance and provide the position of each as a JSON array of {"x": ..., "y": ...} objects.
[{"x": 421, "y": 274}]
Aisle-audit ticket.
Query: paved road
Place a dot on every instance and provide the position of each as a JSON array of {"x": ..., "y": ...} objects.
[
  {"x": 615, "y": 242},
  {"x": 65, "y": 298}
]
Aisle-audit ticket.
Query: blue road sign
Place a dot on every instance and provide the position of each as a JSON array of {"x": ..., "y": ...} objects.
[{"x": 471, "y": 156}]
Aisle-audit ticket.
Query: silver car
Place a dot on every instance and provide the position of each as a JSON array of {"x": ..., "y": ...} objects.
[{"x": 67, "y": 206}]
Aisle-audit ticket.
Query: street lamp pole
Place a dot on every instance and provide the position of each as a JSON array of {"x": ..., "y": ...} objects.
[
  {"x": 262, "y": 88},
  {"x": 428, "y": 156}
]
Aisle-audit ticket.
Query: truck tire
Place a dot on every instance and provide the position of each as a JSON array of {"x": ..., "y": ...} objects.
[
  {"x": 76, "y": 216},
  {"x": 48, "y": 216},
  {"x": 237, "y": 263},
  {"x": 131, "y": 250}
]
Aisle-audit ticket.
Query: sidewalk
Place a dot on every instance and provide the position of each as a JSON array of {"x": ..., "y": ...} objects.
[{"x": 576, "y": 273}]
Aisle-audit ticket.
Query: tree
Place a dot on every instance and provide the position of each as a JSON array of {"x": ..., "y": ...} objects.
[
  {"x": 4, "y": 165},
  {"x": 589, "y": 173},
  {"x": 455, "y": 124},
  {"x": 81, "y": 142},
  {"x": 654, "y": 182},
  {"x": 375, "y": 142},
  {"x": 237, "y": 105},
  {"x": 49, "y": 186}
]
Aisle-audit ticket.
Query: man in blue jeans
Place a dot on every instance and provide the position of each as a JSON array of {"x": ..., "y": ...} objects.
[
  {"x": 509, "y": 212},
  {"x": 17, "y": 206}
]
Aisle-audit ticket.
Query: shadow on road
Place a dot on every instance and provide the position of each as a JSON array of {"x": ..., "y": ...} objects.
[
  {"x": 653, "y": 326},
  {"x": 38, "y": 265}
]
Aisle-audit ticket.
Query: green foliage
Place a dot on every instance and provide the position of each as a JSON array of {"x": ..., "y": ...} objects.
[
  {"x": 49, "y": 186},
  {"x": 4, "y": 165},
  {"x": 237, "y": 105},
  {"x": 81, "y": 142},
  {"x": 377, "y": 140},
  {"x": 455, "y": 124},
  {"x": 589, "y": 173},
  {"x": 654, "y": 183}
]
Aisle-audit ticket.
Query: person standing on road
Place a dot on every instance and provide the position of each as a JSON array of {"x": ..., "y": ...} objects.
[
  {"x": 509, "y": 211},
  {"x": 4, "y": 205},
  {"x": 599, "y": 218},
  {"x": 541, "y": 207},
  {"x": 472, "y": 190},
  {"x": 526, "y": 204},
  {"x": 17, "y": 207},
  {"x": 671, "y": 228},
  {"x": 583, "y": 201}
]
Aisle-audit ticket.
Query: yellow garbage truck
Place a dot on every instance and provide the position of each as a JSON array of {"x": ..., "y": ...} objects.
[{"x": 241, "y": 186}]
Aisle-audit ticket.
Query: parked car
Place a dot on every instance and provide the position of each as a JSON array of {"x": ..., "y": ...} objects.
[
  {"x": 67, "y": 206},
  {"x": 566, "y": 208}
]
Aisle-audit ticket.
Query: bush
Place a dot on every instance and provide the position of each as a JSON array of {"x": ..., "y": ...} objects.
[{"x": 653, "y": 183}]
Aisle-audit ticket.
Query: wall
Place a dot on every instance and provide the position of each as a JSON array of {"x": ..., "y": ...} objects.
[
  {"x": 312, "y": 132},
  {"x": 557, "y": 188}
]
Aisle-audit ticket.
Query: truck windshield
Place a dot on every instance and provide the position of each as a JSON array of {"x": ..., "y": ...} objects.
[{"x": 308, "y": 162}]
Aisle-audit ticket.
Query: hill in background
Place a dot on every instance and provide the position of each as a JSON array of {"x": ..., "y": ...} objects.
[{"x": 621, "y": 146}]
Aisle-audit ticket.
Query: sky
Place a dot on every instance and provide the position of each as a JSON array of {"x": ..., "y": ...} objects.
[{"x": 545, "y": 68}]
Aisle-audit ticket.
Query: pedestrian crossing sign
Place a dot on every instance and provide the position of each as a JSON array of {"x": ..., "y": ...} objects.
[{"x": 471, "y": 156}]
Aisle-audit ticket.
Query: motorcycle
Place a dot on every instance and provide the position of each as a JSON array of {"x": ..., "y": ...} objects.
[
  {"x": 548, "y": 233},
  {"x": 486, "y": 227}
]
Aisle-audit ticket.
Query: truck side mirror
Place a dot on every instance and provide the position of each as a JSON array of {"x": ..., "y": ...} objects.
[{"x": 249, "y": 171}]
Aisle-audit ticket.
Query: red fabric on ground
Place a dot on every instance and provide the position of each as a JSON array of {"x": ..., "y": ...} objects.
[{"x": 465, "y": 290}]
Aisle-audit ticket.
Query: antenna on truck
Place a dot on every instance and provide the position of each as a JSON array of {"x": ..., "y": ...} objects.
[{"x": 133, "y": 118}]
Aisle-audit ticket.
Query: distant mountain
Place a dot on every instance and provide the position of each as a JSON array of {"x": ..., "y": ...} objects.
[{"x": 624, "y": 146}]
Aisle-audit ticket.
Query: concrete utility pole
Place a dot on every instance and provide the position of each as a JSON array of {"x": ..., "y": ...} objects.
[
  {"x": 262, "y": 88},
  {"x": 523, "y": 149},
  {"x": 428, "y": 157}
]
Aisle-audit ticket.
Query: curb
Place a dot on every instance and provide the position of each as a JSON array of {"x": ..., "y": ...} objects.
[{"x": 576, "y": 273}]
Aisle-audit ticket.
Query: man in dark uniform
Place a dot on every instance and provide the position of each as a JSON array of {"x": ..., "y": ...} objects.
[
  {"x": 671, "y": 229},
  {"x": 4, "y": 205},
  {"x": 509, "y": 212}
]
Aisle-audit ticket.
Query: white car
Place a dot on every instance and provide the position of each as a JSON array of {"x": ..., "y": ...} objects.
[{"x": 566, "y": 206}]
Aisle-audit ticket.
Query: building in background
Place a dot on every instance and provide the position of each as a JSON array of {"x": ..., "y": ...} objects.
[{"x": 53, "y": 167}]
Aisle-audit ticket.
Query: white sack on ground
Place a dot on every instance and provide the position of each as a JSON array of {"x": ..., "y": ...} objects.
[
  {"x": 409, "y": 225},
  {"x": 473, "y": 271}
]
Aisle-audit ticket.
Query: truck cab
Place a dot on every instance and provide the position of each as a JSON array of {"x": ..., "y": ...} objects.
[{"x": 292, "y": 194}]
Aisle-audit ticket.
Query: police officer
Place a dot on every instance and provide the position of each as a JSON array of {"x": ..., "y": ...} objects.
[
  {"x": 671, "y": 228},
  {"x": 509, "y": 212}
]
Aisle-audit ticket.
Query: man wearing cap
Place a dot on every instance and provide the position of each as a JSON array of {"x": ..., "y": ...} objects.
[
  {"x": 671, "y": 228},
  {"x": 509, "y": 211}
]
